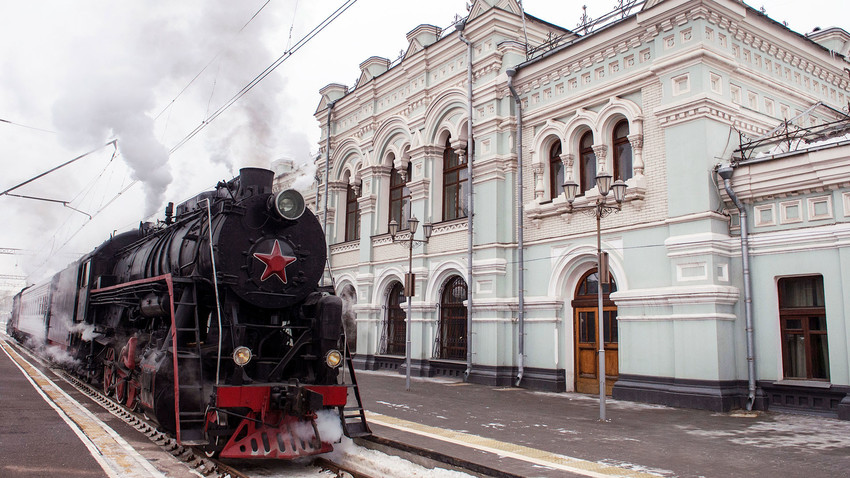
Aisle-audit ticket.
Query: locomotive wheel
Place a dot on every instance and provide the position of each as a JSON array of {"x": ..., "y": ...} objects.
[
  {"x": 109, "y": 372},
  {"x": 121, "y": 391}
]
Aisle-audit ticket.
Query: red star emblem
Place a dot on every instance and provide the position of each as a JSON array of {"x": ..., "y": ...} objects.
[{"x": 275, "y": 263}]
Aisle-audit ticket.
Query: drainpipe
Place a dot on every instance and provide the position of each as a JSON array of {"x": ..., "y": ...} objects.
[
  {"x": 327, "y": 172},
  {"x": 520, "y": 212},
  {"x": 470, "y": 208},
  {"x": 725, "y": 173}
]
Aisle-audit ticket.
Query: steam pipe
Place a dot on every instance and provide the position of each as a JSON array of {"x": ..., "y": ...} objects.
[
  {"x": 725, "y": 173},
  {"x": 327, "y": 173},
  {"x": 470, "y": 208},
  {"x": 520, "y": 233}
]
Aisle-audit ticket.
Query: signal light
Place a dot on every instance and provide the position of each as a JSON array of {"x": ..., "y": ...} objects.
[{"x": 289, "y": 204}]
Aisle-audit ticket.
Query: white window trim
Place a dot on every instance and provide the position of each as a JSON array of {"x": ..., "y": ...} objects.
[
  {"x": 680, "y": 269},
  {"x": 846, "y": 197},
  {"x": 783, "y": 212},
  {"x": 815, "y": 200},
  {"x": 681, "y": 84},
  {"x": 757, "y": 220}
]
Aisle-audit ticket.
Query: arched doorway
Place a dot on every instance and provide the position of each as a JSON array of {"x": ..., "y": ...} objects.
[
  {"x": 453, "y": 336},
  {"x": 396, "y": 328},
  {"x": 586, "y": 337}
]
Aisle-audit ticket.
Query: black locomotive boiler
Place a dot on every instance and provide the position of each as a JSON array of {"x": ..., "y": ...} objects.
[{"x": 211, "y": 323}]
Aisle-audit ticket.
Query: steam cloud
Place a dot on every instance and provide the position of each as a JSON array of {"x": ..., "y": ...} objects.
[{"x": 137, "y": 58}]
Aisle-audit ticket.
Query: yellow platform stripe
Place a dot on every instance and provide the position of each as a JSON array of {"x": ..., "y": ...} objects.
[
  {"x": 519, "y": 452},
  {"x": 113, "y": 453}
]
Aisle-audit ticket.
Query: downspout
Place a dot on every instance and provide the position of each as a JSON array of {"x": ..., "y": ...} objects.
[
  {"x": 520, "y": 233},
  {"x": 327, "y": 173},
  {"x": 725, "y": 173},
  {"x": 470, "y": 208}
]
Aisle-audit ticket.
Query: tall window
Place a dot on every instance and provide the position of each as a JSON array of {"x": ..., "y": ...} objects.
[
  {"x": 622, "y": 151},
  {"x": 352, "y": 216},
  {"x": 556, "y": 171},
  {"x": 399, "y": 198},
  {"x": 453, "y": 334},
  {"x": 396, "y": 327},
  {"x": 587, "y": 162},
  {"x": 802, "y": 317},
  {"x": 454, "y": 184}
]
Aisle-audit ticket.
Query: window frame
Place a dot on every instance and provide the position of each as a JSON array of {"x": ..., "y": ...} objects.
[
  {"x": 461, "y": 183},
  {"x": 804, "y": 314},
  {"x": 616, "y": 143},
  {"x": 556, "y": 184},
  {"x": 586, "y": 153},
  {"x": 352, "y": 215},
  {"x": 397, "y": 204}
]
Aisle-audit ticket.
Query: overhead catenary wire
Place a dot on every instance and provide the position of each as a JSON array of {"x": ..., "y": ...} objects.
[
  {"x": 25, "y": 126},
  {"x": 179, "y": 94},
  {"x": 262, "y": 75}
]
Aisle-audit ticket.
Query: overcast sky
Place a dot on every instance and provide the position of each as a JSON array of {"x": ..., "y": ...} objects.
[{"x": 76, "y": 75}]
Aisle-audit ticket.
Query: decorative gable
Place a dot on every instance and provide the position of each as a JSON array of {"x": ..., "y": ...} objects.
[
  {"x": 481, "y": 6},
  {"x": 331, "y": 92},
  {"x": 420, "y": 37},
  {"x": 372, "y": 67}
]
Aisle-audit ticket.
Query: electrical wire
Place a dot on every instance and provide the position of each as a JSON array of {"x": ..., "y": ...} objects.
[
  {"x": 171, "y": 103},
  {"x": 260, "y": 77},
  {"x": 25, "y": 126}
]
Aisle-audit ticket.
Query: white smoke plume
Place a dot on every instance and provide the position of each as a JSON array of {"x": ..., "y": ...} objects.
[
  {"x": 87, "y": 331},
  {"x": 138, "y": 57}
]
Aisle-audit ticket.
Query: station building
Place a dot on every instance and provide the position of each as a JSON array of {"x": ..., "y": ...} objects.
[{"x": 727, "y": 258}]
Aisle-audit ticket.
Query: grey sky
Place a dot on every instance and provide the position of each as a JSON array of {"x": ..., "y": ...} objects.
[{"x": 93, "y": 70}]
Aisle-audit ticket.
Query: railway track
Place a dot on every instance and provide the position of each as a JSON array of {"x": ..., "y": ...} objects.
[{"x": 194, "y": 459}]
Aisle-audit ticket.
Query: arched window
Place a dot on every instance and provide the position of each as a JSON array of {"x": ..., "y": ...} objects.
[
  {"x": 453, "y": 336},
  {"x": 587, "y": 162},
  {"x": 556, "y": 171},
  {"x": 622, "y": 151},
  {"x": 352, "y": 215},
  {"x": 399, "y": 198},
  {"x": 454, "y": 183},
  {"x": 396, "y": 327}
]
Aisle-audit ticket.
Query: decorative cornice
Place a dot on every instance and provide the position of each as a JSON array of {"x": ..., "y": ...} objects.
[
  {"x": 701, "y": 244},
  {"x": 676, "y": 296},
  {"x": 345, "y": 247},
  {"x": 449, "y": 227}
]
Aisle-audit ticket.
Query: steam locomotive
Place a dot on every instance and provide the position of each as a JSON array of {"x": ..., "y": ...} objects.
[{"x": 211, "y": 323}]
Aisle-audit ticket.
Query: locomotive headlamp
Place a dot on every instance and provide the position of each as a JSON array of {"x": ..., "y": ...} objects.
[
  {"x": 289, "y": 204},
  {"x": 333, "y": 358},
  {"x": 242, "y": 355}
]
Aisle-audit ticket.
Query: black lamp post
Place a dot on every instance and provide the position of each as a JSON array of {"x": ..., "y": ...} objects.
[
  {"x": 410, "y": 278},
  {"x": 600, "y": 209}
]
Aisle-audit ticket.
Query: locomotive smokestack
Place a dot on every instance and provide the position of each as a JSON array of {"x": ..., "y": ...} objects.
[{"x": 254, "y": 181}]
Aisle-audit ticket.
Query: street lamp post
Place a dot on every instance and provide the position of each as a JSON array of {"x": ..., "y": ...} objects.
[
  {"x": 600, "y": 209},
  {"x": 409, "y": 278}
]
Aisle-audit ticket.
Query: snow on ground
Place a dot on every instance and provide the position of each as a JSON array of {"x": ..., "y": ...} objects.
[
  {"x": 638, "y": 468},
  {"x": 800, "y": 432},
  {"x": 380, "y": 465}
]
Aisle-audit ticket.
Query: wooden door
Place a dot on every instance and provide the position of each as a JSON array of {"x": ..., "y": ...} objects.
[{"x": 586, "y": 336}]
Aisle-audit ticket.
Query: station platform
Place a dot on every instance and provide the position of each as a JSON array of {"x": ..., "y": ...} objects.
[
  {"x": 512, "y": 432},
  {"x": 49, "y": 429}
]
